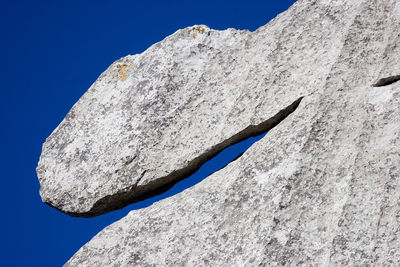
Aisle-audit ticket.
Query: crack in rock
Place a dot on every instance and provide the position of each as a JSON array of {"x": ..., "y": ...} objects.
[
  {"x": 156, "y": 187},
  {"x": 386, "y": 81}
]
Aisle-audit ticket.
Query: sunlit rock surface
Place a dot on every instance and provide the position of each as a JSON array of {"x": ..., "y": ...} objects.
[
  {"x": 321, "y": 188},
  {"x": 149, "y": 116}
]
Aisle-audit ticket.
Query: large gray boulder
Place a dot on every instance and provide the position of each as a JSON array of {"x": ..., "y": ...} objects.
[
  {"x": 323, "y": 186},
  {"x": 155, "y": 118}
]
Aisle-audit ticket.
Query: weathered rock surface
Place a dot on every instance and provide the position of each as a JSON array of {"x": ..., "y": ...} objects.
[
  {"x": 322, "y": 188},
  {"x": 152, "y": 119}
]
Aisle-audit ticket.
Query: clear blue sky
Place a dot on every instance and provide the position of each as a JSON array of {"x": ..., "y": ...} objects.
[{"x": 52, "y": 51}]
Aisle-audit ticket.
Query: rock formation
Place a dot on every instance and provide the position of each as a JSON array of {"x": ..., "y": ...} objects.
[{"x": 321, "y": 188}]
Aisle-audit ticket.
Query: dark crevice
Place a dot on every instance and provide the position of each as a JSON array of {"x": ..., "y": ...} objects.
[
  {"x": 156, "y": 187},
  {"x": 387, "y": 81}
]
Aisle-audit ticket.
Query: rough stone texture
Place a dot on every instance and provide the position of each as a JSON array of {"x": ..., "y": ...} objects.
[
  {"x": 149, "y": 116},
  {"x": 322, "y": 188}
]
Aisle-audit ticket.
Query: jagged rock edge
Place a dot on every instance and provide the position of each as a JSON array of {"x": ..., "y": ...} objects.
[{"x": 156, "y": 187}]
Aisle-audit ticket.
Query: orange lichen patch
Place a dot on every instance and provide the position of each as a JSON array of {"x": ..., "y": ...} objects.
[
  {"x": 122, "y": 70},
  {"x": 194, "y": 31},
  {"x": 199, "y": 29}
]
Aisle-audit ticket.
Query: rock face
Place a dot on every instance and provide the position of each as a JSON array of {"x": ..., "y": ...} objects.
[
  {"x": 153, "y": 119},
  {"x": 321, "y": 188}
]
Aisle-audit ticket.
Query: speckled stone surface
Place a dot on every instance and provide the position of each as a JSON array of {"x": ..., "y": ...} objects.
[
  {"x": 320, "y": 189},
  {"x": 152, "y": 114}
]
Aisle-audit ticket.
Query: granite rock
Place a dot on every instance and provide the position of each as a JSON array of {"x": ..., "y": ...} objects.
[
  {"x": 321, "y": 188},
  {"x": 154, "y": 118}
]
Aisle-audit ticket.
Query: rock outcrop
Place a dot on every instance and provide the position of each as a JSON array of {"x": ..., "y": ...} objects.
[
  {"x": 155, "y": 118},
  {"x": 321, "y": 188}
]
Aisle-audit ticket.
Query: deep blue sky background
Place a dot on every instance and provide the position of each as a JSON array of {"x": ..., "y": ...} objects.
[{"x": 52, "y": 51}]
